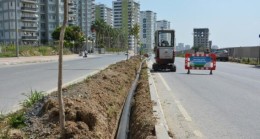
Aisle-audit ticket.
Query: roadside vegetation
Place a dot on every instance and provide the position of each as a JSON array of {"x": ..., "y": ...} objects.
[
  {"x": 11, "y": 125},
  {"x": 250, "y": 61},
  {"x": 10, "y": 51}
]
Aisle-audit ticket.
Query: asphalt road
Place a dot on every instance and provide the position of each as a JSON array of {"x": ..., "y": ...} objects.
[
  {"x": 225, "y": 105},
  {"x": 18, "y": 79}
]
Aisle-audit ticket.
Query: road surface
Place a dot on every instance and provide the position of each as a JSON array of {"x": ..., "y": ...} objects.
[
  {"x": 225, "y": 105},
  {"x": 18, "y": 79}
]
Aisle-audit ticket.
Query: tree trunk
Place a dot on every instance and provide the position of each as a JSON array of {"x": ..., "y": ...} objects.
[{"x": 60, "y": 97}]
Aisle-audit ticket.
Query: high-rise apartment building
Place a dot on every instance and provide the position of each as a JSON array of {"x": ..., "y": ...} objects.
[
  {"x": 200, "y": 37},
  {"x": 19, "y": 19},
  {"x": 126, "y": 15},
  {"x": 104, "y": 13},
  {"x": 163, "y": 24},
  {"x": 90, "y": 16},
  {"x": 187, "y": 47},
  {"x": 37, "y": 19},
  {"x": 147, "y": 29}
]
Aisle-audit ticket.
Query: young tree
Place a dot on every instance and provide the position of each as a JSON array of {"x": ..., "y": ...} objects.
[{"x": 60, "y": 97}]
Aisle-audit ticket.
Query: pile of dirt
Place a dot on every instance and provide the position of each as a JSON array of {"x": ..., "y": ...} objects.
[
  {"x": 142, "y": 122},
  {"x": 92, "y": 107}
]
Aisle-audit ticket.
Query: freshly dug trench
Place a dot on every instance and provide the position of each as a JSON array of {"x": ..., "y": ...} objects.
[
  {"x": 142, "y": 123},
  {"x": 92, "y": 107}
]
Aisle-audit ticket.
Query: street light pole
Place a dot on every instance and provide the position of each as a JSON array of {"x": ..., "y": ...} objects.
[{"x": 16, "y": 31}]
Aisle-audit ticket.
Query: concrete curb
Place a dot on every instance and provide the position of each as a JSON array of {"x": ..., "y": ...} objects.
[{"x": 161, "y": 127}]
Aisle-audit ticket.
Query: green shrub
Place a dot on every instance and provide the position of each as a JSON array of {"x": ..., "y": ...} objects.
[
  {"x": 17, "y": 120},
  {"x": 32, "y": 98}
]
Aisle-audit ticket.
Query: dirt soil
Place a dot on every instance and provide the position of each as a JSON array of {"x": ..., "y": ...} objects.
[
  {"x": 93, "y": 107},
  {"x": 142, "y": 122}
]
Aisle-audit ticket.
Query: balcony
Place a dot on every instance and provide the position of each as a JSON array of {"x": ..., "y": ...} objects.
[
  {"x": 29, "y": 1},
  {"x": 28, "y": 9},
  {"x": 29, "y": 37},
  {"x": 30, "y": 28},
  {"x": 29, "y": 18},
  {"x": 71, "y": 12}
]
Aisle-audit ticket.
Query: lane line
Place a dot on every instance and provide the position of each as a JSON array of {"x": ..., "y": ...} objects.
[
  {"x": 164, "y": 82},
  {"x": 198, "y": 133},
  {"x": 183, "y": 111},
  {"x": 181, "y": 108},
  {"x": 160, "y": 105}
]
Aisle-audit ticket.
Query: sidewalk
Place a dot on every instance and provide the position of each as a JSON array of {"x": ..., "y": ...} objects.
[{"x": 34, "y": 59}]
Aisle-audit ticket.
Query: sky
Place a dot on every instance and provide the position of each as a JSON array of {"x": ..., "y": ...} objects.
[{"x": 232, "y": 23}]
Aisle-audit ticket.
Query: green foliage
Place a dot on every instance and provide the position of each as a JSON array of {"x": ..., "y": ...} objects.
[
  {"x": 32, "y": 98},
  {"x": 135, "y": 30},
  {"x": 195, "y": 48},
  {"x": 108, "y": 37},
  {"x": 17, "y": 120},
  {"x": 72, "y": 33},
  {"x": 2, "y": 116},
  {"x": 10, "y": 51}
]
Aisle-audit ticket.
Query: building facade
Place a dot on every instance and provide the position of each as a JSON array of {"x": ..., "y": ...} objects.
[
  {"x": 90, "y": 16},
  {"x": 126, "y": 15},
  {"x": 104, "y": 13},
  {"x": 37, "y": 19},
  {"x": 163, "y": 25},
  {"x": 147, "y": 29},
  {"x": 201, "y": 37},
  {"x": 19, "y": 21}
]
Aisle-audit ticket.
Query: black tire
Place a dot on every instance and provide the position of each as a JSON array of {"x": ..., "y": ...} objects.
[
  {"x": 173, "y": 68},
  {"x": 155, "y": 67}
]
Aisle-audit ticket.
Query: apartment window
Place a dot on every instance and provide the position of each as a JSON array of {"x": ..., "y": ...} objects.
[
  {"x": 144, "y": 35},
  {"x": 53, "y": 17},
  {"x": 2, "y": 34},
  {"x": 42, "y": 8},
  {"x": 52, "y": 8},
  {"x": 43, "y": 34},
  {"x": 144, "y": 20},
  {"x": 43, "y": 25},
  {"x": 43, "y": 17}
]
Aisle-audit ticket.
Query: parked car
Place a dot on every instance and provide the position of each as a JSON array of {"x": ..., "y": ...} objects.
[{"x": 221, "y": 54}]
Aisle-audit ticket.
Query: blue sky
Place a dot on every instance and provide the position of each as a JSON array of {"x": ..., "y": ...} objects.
[{"x": 232, "y": 23}]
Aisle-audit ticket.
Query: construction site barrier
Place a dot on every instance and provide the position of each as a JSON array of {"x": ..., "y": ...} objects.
[{"x": 200, "y": 61}]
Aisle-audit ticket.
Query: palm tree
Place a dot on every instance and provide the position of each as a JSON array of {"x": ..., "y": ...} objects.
[{"x": 99, "y": 27}]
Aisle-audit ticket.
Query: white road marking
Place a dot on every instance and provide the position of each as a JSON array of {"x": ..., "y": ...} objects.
[
  {"x": 198, "y": 133},
  {"x": 164, "y": 82},
  {"x": 183, "y": 111},
  {"x": 161, "y": 109},
  {"x": 181, "y": 108}
]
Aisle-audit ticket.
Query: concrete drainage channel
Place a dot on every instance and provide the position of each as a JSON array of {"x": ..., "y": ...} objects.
[
  {"x": 161, "y": 128},
  {"x": 123, "y": 127}
]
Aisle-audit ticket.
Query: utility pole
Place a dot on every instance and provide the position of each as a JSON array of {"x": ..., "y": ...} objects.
[{"x": 16, "y": 31}]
